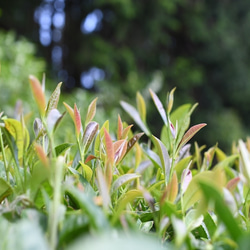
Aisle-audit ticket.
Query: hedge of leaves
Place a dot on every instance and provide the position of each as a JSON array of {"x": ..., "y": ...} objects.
[{"x": 118, "y": 189}]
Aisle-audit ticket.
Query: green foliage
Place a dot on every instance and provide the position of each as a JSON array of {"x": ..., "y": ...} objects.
[
  {"x": 102, "y": 188},
  {"x": 17, "y": 56}
]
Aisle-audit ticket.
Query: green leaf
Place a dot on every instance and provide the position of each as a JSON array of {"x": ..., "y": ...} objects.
[
  {"x": 182, "y": 116},
  {"x": 123, "y": 180},
  {"x": 193, "y": 192},
  {"x": 19, "y": 133},
  {"x": 5, "y": 189},
  {"x": 128, "y": 197},
  {"x": 159, "y": 107},
  {"x": 95, "y": 214},
  {"x": 141, "y": 106},
  {"x": 91, "y": 111},
  {"x": 88, "y": 172},
  {"x": 181, "y": 165},
  {"x": 221, "y": 208},
  {"x": 54, "y": 98},
  {"x": 62, "y": 147},
  {"x": 135, "y": 116},
  {"x": 164, "y": 157},
  {"x": 170, "y": 100}
]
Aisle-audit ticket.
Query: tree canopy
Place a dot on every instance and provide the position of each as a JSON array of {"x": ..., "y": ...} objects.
[{"x": 118, "y": 47}]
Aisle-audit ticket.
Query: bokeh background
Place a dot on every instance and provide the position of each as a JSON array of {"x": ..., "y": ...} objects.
[{"x": 113, "y": 48}]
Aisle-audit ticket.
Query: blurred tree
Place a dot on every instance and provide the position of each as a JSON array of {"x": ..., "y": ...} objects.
[{"x": 118, "y": 47}]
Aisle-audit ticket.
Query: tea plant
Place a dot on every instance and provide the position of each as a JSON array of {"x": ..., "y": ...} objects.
[{"x": 106, "y": 190}]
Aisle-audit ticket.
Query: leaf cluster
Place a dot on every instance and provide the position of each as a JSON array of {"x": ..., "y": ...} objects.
[{"x": 107, "y": 185}]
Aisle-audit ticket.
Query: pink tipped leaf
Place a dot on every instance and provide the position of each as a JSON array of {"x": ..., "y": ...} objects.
[
  {"x": 119, "y": 128},
  {"x": 77, "y": 120},
  {"x": 109, "y": 148},
  {"x": 38, "y": 94},
  {"x": 190, "y": 133}
]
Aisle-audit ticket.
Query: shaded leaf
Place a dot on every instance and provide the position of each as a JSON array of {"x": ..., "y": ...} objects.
[
  {"x": 5, "y": 189},
  {"x": 95, "y": 214},
  {"x": 128, "y": 197},
  {"x": 62, "y": 147}
]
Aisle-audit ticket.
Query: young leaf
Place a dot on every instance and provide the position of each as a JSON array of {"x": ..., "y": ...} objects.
[
  {"x": 126, "y": 131},
  {"x": 133, "y": 141},
  {"x": 54, "y": 98},
  {"x": 159, "y": 107},
  {"x": 120, "y": 151},
  {"x": 89, "y": 134},
  {"x": 244, "y": 161},
  {"x": 109, "y": 148},
  {"x": 232, "y": 184},
  {"x": 91, "y": 111},
  {"x": 38, "y": 94},
  {"x": 171, "y": 190},
  {"x": 70, "y": 111},
  {"x": 77, "y": 120},
  {"x": 135, "y": 116},
  {"x": 42, "y": 155},
  {"x": 123, "y": 180},
  {"x": 170, "y": 100},
  {"x": 141, "y": 106},
  {"x": 87, "y": 171},
  {"x": 119, "y": 128},
  {"x": 190, "y": 133},
  {"x": 164, "y": 157}
]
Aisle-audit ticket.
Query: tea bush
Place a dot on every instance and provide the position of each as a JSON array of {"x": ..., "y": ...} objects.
[{"x": 106, "y": 189}]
